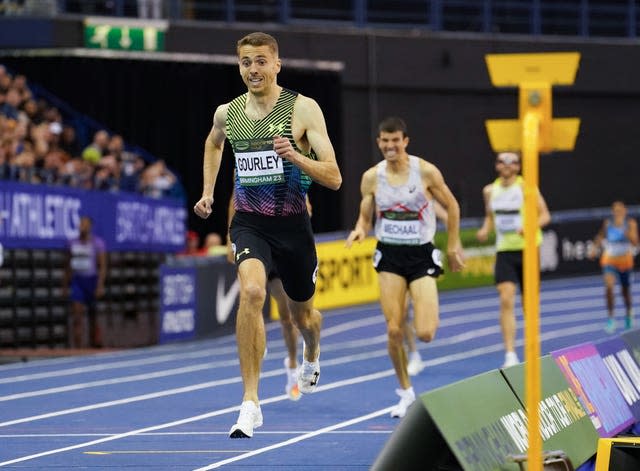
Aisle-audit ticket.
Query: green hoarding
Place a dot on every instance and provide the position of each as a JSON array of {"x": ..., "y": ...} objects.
[
  {"x": 479, "y": 261},
  {"x": 481, "y": 420},
  {"x": 564, "y": 424}
]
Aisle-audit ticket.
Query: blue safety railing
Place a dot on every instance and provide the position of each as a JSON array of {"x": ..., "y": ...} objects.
[{"x": 609, "y": 18}]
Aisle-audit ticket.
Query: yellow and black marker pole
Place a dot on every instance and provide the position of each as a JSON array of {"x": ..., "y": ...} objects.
[{"x": 535, "y": 131}]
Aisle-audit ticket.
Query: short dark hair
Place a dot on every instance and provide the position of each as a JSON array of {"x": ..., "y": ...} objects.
[
  {"x": 258, "y": 39},
  {"x": 392, "y": 124}
]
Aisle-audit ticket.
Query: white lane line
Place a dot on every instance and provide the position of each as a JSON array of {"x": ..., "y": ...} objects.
[
  {"x": 446, "y": 311},
  {"x": 119, "y": 380},
  {"x": 218, "y": 464},
  {"x": 119, "y": 436},
  {"x": 149, "y": 360},
  {"x": 158, "y": 452},
  {"x": 178, "y": 434},
  {"x": 373, "y": 320},
  {"x": 439, "y": 342},
  {"x": 130, "y": 354},
  {"x": 300, "y": 438},
  {"x": 465, "y": 355},
  {"x": 119, "y": 402},
  {"x": 282, "y": 397}
]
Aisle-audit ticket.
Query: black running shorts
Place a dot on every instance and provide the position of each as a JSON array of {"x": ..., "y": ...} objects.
[
  {"x": 409, "y": 261},
  {"x": 282, "y": 243},
  {"x": 508, "y": 267}
]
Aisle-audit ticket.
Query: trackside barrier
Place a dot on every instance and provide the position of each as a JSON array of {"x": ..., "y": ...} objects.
[
  {"x": 199, "y": 298},
  {"x": 618, "y": 454},
  {"x": 596, "y": 388},
  {"x": 346, "y": 277},
  {"x": 46, "y": 217},
  {"x": 36, "y": 222},
  {"x": 589, "y": 394}
]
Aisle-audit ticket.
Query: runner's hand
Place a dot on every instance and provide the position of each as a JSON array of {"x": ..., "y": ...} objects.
[
  {"x": 203, "y": 207},
  {"x": 456, "y": 259},
  {"x": 355, "y": 235},
  {"x": 284, "y": 149}
]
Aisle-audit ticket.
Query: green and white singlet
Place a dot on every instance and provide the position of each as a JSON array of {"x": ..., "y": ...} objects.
[
  {"x": 507, "y": 206},
  {"x": 265, "y": 183}
]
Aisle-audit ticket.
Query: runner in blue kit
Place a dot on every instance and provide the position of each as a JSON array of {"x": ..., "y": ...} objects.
[
  {"x": 618, "y": 240},
  {"x": 401, "y": 191},
  {"x": 85, "y": 274},
  {"x": 280, "y": 144}
]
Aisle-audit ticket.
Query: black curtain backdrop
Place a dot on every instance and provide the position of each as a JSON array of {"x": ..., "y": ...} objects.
[{"x": 167, "y": 109}]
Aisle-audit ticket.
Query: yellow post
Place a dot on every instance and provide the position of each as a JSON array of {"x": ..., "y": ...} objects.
[
  {"x": 534, "y": 131},
  {"x": 531, "y": 289}
]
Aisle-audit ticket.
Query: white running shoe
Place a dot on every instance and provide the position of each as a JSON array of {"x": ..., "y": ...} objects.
[
  {"x": 510, "y": 359},
  {"x": 407, "y": 396},
  {"x": 292, "y": 389},
  {"x": 309, "y": 374},
  {"x": 250, "y": 417},
  {"x": 415, "y": 364}
]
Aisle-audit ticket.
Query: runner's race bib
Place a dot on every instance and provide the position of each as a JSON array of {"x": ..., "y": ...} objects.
[
  {"x": 400, "y": 227},
  {"x": 81, "y": 264},
  {"x": 257, "y": 163},
  {"x": 508, "y": 222}
]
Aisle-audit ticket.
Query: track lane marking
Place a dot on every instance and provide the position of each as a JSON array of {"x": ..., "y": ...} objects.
[
  {"x": 300, "y": 438},
  {"x": 465, "y": 355}
]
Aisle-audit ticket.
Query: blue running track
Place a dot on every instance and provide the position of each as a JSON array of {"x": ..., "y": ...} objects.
[{"x": 170, "y": 407}]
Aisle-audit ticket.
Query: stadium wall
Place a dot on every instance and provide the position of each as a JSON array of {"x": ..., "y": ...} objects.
[{"x": 440, "y": 85}]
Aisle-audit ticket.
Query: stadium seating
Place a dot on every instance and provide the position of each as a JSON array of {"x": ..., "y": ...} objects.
[{"x": 34, "y": 312}]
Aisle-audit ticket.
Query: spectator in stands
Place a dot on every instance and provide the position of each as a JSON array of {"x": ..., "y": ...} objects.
[
  {"x": 25, "y": 167},
  {"x": 98, "y": 147},
  {"x": 131, "y": 173},
  {"x": 116, "y": 148},
  {"x": 192, "y": 245},
  {"x": 20, "y": 84},
  {"x": 213, "y": 245},
  {"x": 11, "y": 106},
  {"x": 5, "y": 80},
  {"x": 130, "y": 164},
  {"x": 53, "y": 165},
  {"x": 33, "y": 112},
  {"x": 52, "y": 114},
  {"x": 5, "y": 157},
  {"x": 32, "y": 133},
  {"x": 157, "y": 180},
  {"x": 617, "y": 240},
  {"x": 40, "y": 137},
  {"x": 10, "y": 146},
  {"x": 107, "y": 174},
  {"x": 69, "y": 142},
  {"x": 53, "y": 135},
  {"x": 85, "y": 277},
  {"x": 77, "y": 173}
]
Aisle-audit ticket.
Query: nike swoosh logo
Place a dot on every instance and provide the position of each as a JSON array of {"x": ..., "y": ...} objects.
[{"x": 225, "y": 300}]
